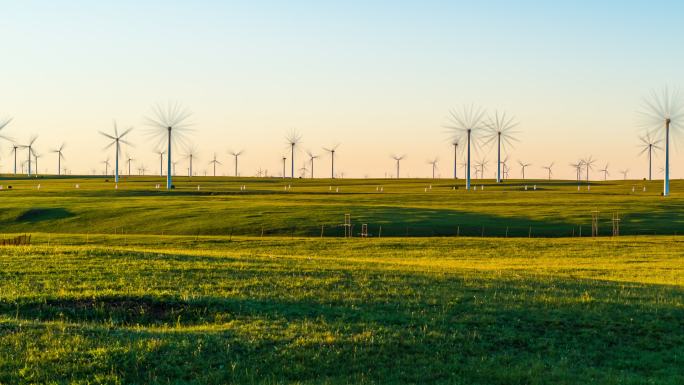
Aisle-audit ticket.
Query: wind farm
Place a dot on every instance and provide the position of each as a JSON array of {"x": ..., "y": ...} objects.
[{"x": 477, "y": 193}]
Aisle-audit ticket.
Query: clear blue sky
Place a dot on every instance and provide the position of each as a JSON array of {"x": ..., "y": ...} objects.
[{"x": 379, "y": 77}]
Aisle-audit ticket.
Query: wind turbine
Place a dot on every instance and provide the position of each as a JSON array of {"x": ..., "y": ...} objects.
[
  {"x": 191, "y": 152},
  {"x": 624, "y": 174},
  {"x": 605, "y": 172},
  {"x": 500, "y": 128},
  {"x": 29, "y": 146},
  {"x": 284, "y": 160},
  {"x": 467, "y": 121},
  {"x": 14, "y": 148},
  {"x": 129, "y": 159},
  {"x": 454, "y": 142},
  {"x": 664, "y": 110},
  {"x": 332, "y": 150},
  {"x": 36, "y": 156},
  {"x": 398, "y": 159},
  {"x": 578, "y": 170},
  {"x": 523, "y": 166},
  {"x": 434, "y": 166},
  {"x": 649, "y": 145},
  {"x": 215, "y": 162},
  {"x": 170, "y": 123},
  {"x": 236, "y": 155},
  {"x": 293, "y": 139},
  {"x": 589, "y": 164},
  {"x": 60, "y": 156},
  {"x": 106, "y": 163},
  {"x": 161, "y": 153},
  {"x": 481, "y": 166},
  {"x": 117, "y": 139},
  {"x": 548, "y": 168},
  {"x": 312, "y": 156}
]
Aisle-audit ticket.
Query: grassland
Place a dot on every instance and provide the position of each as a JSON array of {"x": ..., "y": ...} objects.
[
  {"x": 311, "y": 207},
  {"x": 135, "y": 285},
  {"x": 147, "y": 309}
]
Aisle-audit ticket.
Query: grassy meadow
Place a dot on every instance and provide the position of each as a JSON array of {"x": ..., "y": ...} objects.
[
  {"x": 273, "y": 206},
  {"x": 136, "y": 285}
]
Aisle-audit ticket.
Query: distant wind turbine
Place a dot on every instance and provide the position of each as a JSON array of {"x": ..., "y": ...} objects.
[
  {"x": 129, "y": 159},
  {"x": 332, "y": 150},
  {"x": 500, "y": 128},
  {"x": 398, "y": 159},
  {"x": 169, "y": 124},
  {"x": 549, "y": 169},
  {"x": 106, "y": 164},
  {"x": 31, "y": 152},
  {"x": 60, "y": 155},
  {"x": 312, "y": 156},
  {"x": 117, "y": 139},
  {"x": 481, "y": 166},
  {"x": 236, "y": 154},
  {"x": 14, "y": 149},
  {"x": 434, "y": 166},
  {"x": 605, "y": 172},
  {"x": 191, "y": 152},
  {"x": 293, "y": 139},
  {"x": 523, "y": 166},
  {"x": 161, "y": 153},
  {"x": 649, "y": 145},
  {"x": 624, "y": 174},
  {"x": 589, "y": 165},
  {"x": 467, "y": 121},
  {"x": 664, "y": 110},
  {"x": 454, "y": 143},
  {"x": 214, "y": 162}
]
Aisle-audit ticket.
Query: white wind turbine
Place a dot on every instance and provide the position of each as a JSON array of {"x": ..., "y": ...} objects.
[
  {"x": 649, "y": 146},
  {"x": 398, "y": 158},
  {"x": 312, "y": 156},
  {"x": 235, "y": 155},
  {"x": 549, "y": 169},
  {"x": 467, "y": 122},
  {"x": 523, "y": 166},
  {"x": 161, "y": 154},
  {"x": 117, "y": 140},
  {"x": 332, "y": 150},
  {"x": 293, "y": 139},
  {"x": 500, "y": 128},
  {"x": 60, "y": 155},
  {"x": 169, "y": 125},
  {"x": 214, "y": 162},
  {"x": 605, "y": 172},
  {"x": 664, "y": 111},
  {"x": 434, "y": 166}
]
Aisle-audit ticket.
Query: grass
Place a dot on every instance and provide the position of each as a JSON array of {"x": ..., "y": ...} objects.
[
  {"x": 129, "y": 309},
  {"x": 135, "y": 285},
  {"x": 312, "y": 207}
]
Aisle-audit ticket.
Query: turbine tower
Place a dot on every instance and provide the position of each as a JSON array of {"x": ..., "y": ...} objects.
[
  {"x": 190, "y": 154},
  {"x": 664, "y": 110},
  {"x": 215, "y": 162},
  {"x": 31, "y": 152},
  {"x": 468, "y": 121},
  {"x": 170, "y": 122},
  {"x": 649, "y": 145},
  {"x": 454, "y": 143},
  {"x": 236, "y": 155},
  {"x": 117, "y": 139},
  {"x": 523, "y": 166},
  {"x": 332, "y": 150},
  {"x": 161, "y": 153},
  {"x": 293, "y": 139},
  {"x": 312, "y": 156},
  {"x": 500, "y": 128},
  {"x": 129, "y": 159},
  {"x": 398, "y": 159},
  {"x": 605, "y": 172},
  {"x": 589, "y": 164},
  {"x": 434, "y": 166},
  {"x": 60, "y": 155},
  {"x": 549, "y": 168}
]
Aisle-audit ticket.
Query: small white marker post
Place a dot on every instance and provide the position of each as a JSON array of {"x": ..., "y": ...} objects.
[
  {"x": 525, "y": 187},
  {"x": 644, "y": 188},
  {"x": 382, "y": 189},
  {"x": 116, "y": 187},
  {"x": 198, "y": 187},
  {"x": 535, "y": 187}
]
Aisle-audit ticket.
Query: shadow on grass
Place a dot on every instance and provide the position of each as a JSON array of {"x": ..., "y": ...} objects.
[
  {"x": 484, "y": 331},
  {"x": 44, "y": 214}
]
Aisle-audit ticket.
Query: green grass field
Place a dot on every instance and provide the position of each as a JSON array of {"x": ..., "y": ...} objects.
[
  {"x": 139, "y": 286},
  {"x": 309, "y": 207}
]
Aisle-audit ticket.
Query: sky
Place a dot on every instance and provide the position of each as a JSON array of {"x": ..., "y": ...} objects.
[{"x": 377, "y": 77}]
